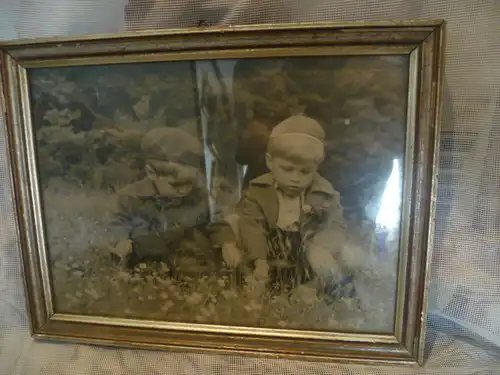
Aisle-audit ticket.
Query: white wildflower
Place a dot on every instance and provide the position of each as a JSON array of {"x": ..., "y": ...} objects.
[
  {"x": 194, "y": 298},
  {"x": 137, "y": 290},
  {"x": 204, "y": 311},
  {"x": 227, "y": 294},
  {"x": 123, "y": 275},
  {"x": 306, "y": 294},
  {"x": 332, "y": 322},
  {"x": 166, "y": 282},
  {"x": 92, "y": 292},
  {"x": 171, "y": 288},
  {"x": 163, "y": 295},
  {"x": 348, "y": 302},
  {"x": 164, "y": 267},
  {"x": 211, "y": 307},
  {"x": 167, "y": 306}
]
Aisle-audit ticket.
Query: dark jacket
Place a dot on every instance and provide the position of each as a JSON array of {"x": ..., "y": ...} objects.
[
  {"x": 157, "y": 225},
  {"x": 321, "y": 219}
]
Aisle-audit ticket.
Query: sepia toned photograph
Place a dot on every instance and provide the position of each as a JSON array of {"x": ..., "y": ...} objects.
[
  {"x": 252, "y": 190},
  {"x": 235, "y": 192}
]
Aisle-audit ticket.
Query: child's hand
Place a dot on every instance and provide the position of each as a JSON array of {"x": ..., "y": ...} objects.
[
  {"x": 261, "y": 269},
  {"x": 122, "y": 248},
  {"x": 231, "y": 254},
  {"x": 323, "y": 263}
]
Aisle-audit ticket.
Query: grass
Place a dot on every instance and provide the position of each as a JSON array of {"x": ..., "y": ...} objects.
[
  {"x": 87, "y": 280},
  {"x": 92, "y": 283}
]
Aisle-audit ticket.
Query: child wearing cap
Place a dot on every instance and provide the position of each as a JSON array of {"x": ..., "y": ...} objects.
[
  {"x": 170, "y": 200},
  {"x": 289, "y": 223}
]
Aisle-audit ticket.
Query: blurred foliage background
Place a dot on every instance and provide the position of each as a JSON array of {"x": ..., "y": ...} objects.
[
  {"x": 89, "y": 120},
  {"x": 361, "y": 102}
]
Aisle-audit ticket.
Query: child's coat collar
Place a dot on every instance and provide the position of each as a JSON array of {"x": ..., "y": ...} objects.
[{"x": 319, "y": 185}]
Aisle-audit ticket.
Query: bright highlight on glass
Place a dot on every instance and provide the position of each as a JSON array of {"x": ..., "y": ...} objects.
[{"x": 389, "y": 214}]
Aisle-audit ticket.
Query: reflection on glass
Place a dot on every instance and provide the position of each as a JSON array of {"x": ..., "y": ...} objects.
[
  {"x": 388, "y": 217},
  {"x": 140, "y": 163}
]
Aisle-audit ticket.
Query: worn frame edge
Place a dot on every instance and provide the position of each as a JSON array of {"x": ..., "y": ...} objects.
[
  {"x": 255, "y": 345},
  {"x": 40, "y": 317},
  {"x": 148, "y": 33},
  {"x": 10, "y": 103},
  {"x": 439, "y": 36},
  {"x": 429, "y": 105},
  {"x": 207, "y": 38},
  {"x": 231, "y": 351}
]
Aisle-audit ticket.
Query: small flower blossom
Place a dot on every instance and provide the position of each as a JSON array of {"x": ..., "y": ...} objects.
[
  {"x": 123, "y": 275},
  {"x": 200, "y": 318},
  {"x": 164, "y": 267},
  {"x": 171, "y": 288},
  {"x": 228, "y": 294},
  {"x": 194, "y": 298},
  {"x": 205, "y": 312},
  {"x": 167, "y": 306},
  {"x": 211, "y": 308},
  {"x": 163, "y": 295},
  {"x": 253, "y": 306},
  {"x": 306, "y": 209}
]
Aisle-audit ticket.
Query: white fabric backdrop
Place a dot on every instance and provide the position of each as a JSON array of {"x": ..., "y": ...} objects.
[{"x": 464, "y": 332}]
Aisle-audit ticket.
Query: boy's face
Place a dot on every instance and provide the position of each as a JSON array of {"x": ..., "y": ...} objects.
[
  {"x": 292, "y": 177},
  {"x": 171, "y": 179}
]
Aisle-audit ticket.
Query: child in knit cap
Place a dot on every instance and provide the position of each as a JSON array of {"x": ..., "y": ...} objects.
[
  {"x": 169, "y": 201},
  {"x": 289, "y": 223}
]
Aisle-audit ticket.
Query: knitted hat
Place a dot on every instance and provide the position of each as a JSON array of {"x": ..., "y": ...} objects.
[
  {"x": 299, "y": 126},
  {"x": 298, "y": 138},
  {"x": 170, "y": 144}
]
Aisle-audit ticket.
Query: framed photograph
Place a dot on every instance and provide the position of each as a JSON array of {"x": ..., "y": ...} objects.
[{"x": 261, "y": 190}]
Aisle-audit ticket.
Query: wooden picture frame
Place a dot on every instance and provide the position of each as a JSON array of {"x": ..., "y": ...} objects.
[{"x": 49, "y": 102}]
